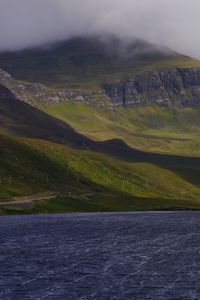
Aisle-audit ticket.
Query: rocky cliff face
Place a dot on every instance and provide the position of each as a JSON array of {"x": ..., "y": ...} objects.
[
  {"x": 35, "y": 93},
  {"x": 167, "y": 87},
  {"x": 32, "y": 91}
]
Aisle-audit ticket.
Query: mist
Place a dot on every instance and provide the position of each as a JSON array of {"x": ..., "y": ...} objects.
[{"x": 171, "y": 23}]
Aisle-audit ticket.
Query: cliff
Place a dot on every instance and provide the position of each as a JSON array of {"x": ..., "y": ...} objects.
[
  {"x": 167, "y": 87},
  {"x": 36, "y": 93}
]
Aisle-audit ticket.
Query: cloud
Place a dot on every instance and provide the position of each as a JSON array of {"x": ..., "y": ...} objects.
[{"x": 173, "y": 23}]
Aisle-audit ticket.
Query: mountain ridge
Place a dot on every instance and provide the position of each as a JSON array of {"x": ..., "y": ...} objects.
[{"x": 87, "y": 61}]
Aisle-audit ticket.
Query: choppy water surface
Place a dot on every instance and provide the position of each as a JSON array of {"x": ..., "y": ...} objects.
[{"x": 100, "y": 256}]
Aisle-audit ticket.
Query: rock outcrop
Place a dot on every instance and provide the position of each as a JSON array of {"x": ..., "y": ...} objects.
[
  {"x": 172, "y": 87},
  {"x": 168, "y": 87},
  {"x": 35, "y": 93},
  {"x": 30, "y": 92}
]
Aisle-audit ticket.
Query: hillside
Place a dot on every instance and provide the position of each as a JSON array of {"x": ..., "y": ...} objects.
[
  {"x": 25, "y": 170},
  {"x": 162, "y": 129},
  {"x": 88, "y": 181},
  {"x": 48, "y": 155},
  {"x": 112, "y": 131},
  {"x": 19, "y": 118}
]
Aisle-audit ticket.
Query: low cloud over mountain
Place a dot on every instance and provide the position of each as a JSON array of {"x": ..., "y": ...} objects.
[{"x": 173, "y": 23}]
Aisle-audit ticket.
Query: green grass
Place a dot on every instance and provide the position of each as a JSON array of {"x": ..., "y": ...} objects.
[
  {"x": 25, "y": 170},
  {"x": 149, "y": 128},
  {"x": 30, "y": 166},
  {"x": 139, "y": 178},
  {"x": 136, "y": 178}
]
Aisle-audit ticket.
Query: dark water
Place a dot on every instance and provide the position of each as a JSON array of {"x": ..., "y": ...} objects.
[{"x": 101, "y": 256}]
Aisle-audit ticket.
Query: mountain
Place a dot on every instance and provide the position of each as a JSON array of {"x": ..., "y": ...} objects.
[
  {"x": 21, "y": 119},
  {"x": 88, "y": 61},
  {"x": 102, "y": 125},
  {"x": 102, "y": 72},
  {"x": 161, "y": 124},
  {"x": 48, "y": 135}
]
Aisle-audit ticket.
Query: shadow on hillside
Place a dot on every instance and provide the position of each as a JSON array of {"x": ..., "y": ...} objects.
[
  {"x": 186, "y": 167},
  {"x": 20, "y": 118}
]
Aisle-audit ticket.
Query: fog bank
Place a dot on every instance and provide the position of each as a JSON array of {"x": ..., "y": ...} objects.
[{"x": 173, "y": 23}]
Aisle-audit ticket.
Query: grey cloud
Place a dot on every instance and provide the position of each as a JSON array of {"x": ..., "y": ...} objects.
[{"x": 173, "y": 23}]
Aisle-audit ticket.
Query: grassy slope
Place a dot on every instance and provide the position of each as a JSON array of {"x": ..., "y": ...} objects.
[
  {"x": 119, "y": 185},
  {"x": 24, "y": 170},
  {"x": 147, "y": 128}
]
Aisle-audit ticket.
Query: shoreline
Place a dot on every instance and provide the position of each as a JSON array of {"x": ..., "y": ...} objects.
[{"x": 102, "y": 213}]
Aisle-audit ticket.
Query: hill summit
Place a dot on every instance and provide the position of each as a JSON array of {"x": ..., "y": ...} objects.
[{"x": 87, "y": 59}]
